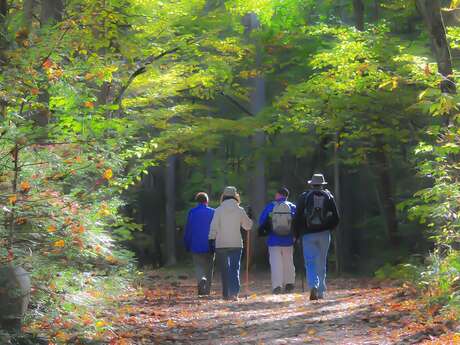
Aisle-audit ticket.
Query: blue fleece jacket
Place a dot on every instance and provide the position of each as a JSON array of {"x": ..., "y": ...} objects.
[
  {"x": 276, "y": 240},
  {"x": 197, "y": 229}
]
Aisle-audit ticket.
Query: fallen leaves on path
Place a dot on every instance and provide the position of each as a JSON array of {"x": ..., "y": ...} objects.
[{"x": 167, "y": 311}]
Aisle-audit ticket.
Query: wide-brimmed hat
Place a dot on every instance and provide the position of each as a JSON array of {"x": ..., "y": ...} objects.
[
  {"x": 317, "y": 180},
  {"x": 230, "y": 191}
]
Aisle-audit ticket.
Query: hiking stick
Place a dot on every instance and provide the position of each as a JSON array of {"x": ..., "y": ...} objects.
[
  {"x": 302, "y": 275},
  {"x": 247, "y": 263}
]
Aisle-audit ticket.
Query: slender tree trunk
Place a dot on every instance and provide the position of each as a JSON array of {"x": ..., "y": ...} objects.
[
  {"x": 257, "y": 179},
  {"x": 3, "y": 42},
  {"x": 376, "y": 10},
  {"x": 209, "y": 158},
  {"x": 430, "y": 10},
  {"x": 386, "y": 196},
  {"x": 337, "y": 194},
  {"x": 28, "y": 13},
  {"x": 51, "y": 11},
  {"x": 358, "y": 9},
  {"x": 170, "y": 227}
]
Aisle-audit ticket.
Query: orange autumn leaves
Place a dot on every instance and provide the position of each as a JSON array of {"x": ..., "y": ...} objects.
[{"x": 108, "y": 174}]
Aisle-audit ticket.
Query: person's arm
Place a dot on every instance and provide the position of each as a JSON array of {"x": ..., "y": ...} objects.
[
  {"x": 264, "y": 221},
  {"x": 214, "y": 226},
  {"x": 188, "y": 232},
  {"x": 246, "y": 222}
]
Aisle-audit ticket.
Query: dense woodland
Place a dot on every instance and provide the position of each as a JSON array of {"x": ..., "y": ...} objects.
[{"x": 115, "y": 113}]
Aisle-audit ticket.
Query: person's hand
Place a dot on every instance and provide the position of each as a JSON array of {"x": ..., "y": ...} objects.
[
  {"x": 212, "y": 246},
  {"x": 249, "y": 212}
]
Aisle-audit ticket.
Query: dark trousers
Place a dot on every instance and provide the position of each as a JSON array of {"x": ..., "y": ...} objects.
[
  {"x": 229, "y": 262},
  {"x": 204, "y": 266}
]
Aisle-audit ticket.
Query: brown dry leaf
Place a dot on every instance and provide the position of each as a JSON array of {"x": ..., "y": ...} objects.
[{"x": 311, "y": 331}]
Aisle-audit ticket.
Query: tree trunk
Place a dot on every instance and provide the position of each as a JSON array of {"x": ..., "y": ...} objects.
[
  {"x": 3, "y": 41},
  {"x": 430, "y": 10},
  {"x": 338, "y": 234},
  {"x": 376, "y": 10},
  {"x": 28, "y": 13},
  {"x": 51, "y": 11},
  {"x": 358, "y": 9},
  {"x": 257, "y": 179},
  {"x": 170, "y": 196},
  {"x": 386, "y": 196}
]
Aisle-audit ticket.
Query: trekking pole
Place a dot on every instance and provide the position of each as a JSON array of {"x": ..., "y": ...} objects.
[
  {"x": 302, "y": 275},
  {"x": 247, "y": 263}
]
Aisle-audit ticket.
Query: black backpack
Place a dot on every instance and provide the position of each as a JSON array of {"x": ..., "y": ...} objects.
[{"x": 317, "y": 210}]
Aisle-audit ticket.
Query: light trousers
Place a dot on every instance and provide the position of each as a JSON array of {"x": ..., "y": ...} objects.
[{"x": 282, "y": 265}]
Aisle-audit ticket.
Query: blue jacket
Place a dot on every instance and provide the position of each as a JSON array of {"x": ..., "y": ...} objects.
[
  {"x": 197, "y": 229},
  {"x": 275, "y": 240}
]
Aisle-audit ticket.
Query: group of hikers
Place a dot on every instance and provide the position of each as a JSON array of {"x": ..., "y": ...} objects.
[{"x": 216, "y": 234}]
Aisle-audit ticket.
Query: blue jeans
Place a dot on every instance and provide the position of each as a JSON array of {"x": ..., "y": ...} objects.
[
  {"x": 315, "y": 248},
  {"x": 228, "y": 261}
]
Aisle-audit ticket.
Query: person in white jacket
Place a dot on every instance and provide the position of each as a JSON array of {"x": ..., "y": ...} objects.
[{"x": 225, "y": 238}]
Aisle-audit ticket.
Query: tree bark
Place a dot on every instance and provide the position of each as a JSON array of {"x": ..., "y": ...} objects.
[
  {"x": 170, "y": 195},
  {"x": 386, "y": 196},
  {"x": 430, "y": 11},
  {"x": 51, "y": 11},
  {"x": 3, "y": 42},
  {"x": 358, "y": 9},
  {"x": 338, "y": 233},
  {"x": 257, "y": 179},
  {"x": 28, "y": 12},
  {"x": 376, "y": 10}
]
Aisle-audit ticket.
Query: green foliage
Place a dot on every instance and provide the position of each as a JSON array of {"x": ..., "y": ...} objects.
[{"x": 402, "y": 272}]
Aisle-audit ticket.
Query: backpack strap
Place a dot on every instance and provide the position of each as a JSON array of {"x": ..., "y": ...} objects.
[{"x": 306, "y": 195}]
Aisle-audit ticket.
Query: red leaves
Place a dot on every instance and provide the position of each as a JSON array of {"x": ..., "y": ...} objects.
[{"x": 47, "y": 64}]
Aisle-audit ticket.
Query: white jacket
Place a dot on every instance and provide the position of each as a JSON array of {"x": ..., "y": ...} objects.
[{"x": 228, "y": 218}]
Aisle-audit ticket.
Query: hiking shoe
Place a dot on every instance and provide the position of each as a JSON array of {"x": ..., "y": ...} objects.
[
  {"x": 277, "y": 290},
  {"x": 202, "y": 287},
  {"x": 289, "y": 288},
  {"x": 321, "y": 295},
  {"x": 313, "y": 294},
  {"x": 231, "y": 298}
]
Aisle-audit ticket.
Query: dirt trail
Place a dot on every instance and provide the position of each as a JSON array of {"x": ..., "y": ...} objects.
[{"x": 353, "y": 312}]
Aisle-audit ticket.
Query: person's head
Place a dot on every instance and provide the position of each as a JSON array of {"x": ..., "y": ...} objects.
[
  {"x": 230, "y": 192},
  {"x": 282, "y": 193},
  {"x": 202, "y": 198},
  {"x": 317, "y": 181}
]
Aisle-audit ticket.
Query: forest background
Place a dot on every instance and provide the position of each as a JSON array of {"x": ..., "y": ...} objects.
[{"x": 114, "y": 113}]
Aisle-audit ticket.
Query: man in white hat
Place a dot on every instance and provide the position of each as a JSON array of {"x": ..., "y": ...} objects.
[{"x": 316, "y": 216}]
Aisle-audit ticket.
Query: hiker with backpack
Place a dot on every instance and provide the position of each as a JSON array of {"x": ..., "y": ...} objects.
[
  {"x": 275, "y": 221},
  {"x": 196, "y": 241},
  {"x": 225, "y": 238},
  {"x": 315, "y": 218}
]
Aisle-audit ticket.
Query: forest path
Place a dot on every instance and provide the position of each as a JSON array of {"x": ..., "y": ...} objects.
[{"x": 355, "y": 311}]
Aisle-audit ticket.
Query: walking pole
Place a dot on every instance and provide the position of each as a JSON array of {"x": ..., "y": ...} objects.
[
  {"x": 302, "y": 275},
  {"x": 247, "y": 262}
]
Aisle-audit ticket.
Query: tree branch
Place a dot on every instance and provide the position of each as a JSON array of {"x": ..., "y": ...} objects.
[
  {"x": 140, "y": 71},
  {"x": 236, "y": 103}
]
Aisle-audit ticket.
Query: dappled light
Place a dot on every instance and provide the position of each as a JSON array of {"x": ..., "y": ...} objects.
[{"x": 229, "y": 172}]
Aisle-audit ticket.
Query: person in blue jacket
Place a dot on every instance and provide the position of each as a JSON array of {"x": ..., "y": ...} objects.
[
  {"x": 280, "y": 243},
  {"x": 196, "y": 241}
]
